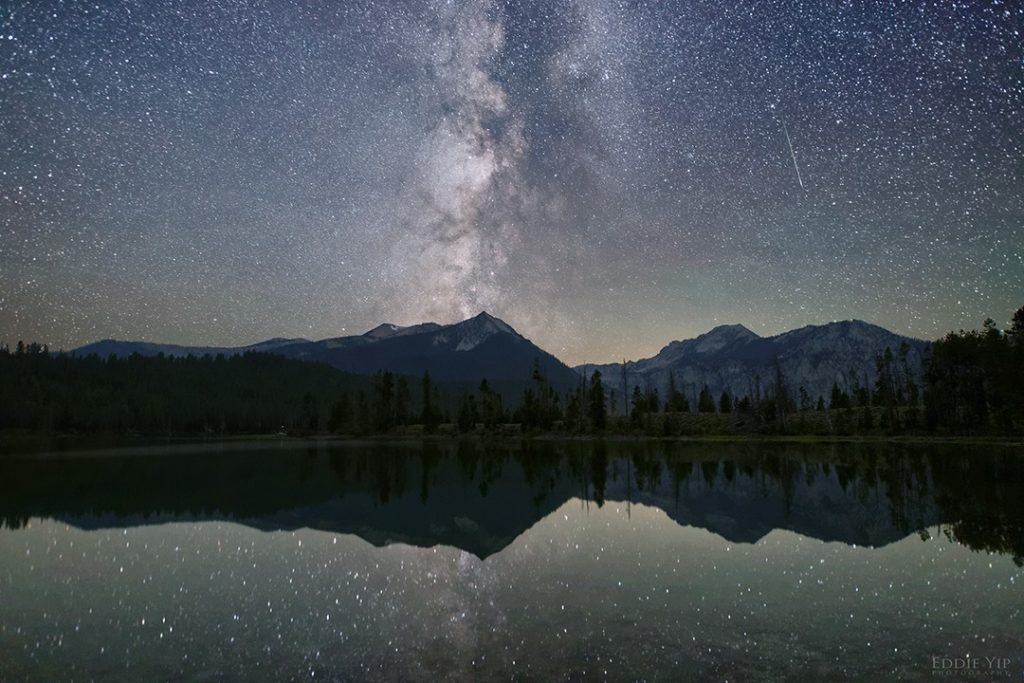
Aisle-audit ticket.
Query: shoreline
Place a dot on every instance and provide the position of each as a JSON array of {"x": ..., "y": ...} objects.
[{"x": 29, "y": 445}]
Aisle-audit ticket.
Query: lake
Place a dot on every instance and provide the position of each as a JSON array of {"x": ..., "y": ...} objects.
[{"x": 529, "y": 561}]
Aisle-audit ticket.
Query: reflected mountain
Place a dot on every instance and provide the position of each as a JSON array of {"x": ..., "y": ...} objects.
[{"x": 480, "y": 498}]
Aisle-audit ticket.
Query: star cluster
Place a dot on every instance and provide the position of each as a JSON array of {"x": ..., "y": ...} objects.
[{"x": 605, "y": 175}]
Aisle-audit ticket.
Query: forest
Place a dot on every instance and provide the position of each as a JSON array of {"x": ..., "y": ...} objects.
[{"x": 973, "y": 384}]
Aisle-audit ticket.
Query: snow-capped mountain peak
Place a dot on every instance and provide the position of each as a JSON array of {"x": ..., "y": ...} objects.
[
  {"x": 719, "y": 337},
  {"x": 470, "y": 333},
  {"x": 389, "y": 330},
  {"x": 382, "y": 331},
  {"x": 482, "y": 347},
  {"x": 731, "y": 358}
]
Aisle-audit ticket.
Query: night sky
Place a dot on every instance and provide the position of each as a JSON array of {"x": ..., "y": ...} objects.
[{"x": 604, "y": 176}]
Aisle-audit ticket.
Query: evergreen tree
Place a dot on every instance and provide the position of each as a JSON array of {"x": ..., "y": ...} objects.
[
  {"x": 886, "y": 392},
  {"x": 867, "y": 420},
  {"x": 911, "y": 392},
  {"x": 861, "y": 394},
  {"x": 705, "y": 403},
  {"x": 597, "y": 409},
  {"x": 839, "y": 399},
  {"x": 1016, "y": 331},
  {"x": 574, "y": 411},
  {"x": 725, "y": 403},
  {"x": 363, "y": 421},
  {"x": 973, "y": 381},
  {"x": 310, "y": 420},
  {"x": 383, "y": 406},
  {"x": 341, "y": 414},
  {"x": 639, "y": 407},
  {"x": 491, "y": 410},
  {"x": 783, "y": 401},
  {"x": 653, "y": 403},
  {"x": 675, "y": 402},
  {"x": 468, "y": 414},
  {"x": 805, "y": 400},
  {"x": 540, "y": 407},
  {"x": 430, "y": 415},
  {"x": 403, "y": 402}
]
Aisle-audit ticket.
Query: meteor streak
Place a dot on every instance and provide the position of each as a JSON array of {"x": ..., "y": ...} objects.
[{"x": 792, "y": 154}]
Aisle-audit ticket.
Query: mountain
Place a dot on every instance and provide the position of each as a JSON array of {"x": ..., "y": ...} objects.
[
  {"x": 379, "y": 333},
  {"x": 114, "y": 347},
  {"x": 729, "y": 357},
  {"x": 482, "y": 347},
  {"x": 734, "y": 359}
]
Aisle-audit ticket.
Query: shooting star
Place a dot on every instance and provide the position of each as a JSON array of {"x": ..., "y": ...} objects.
[{"x": 792, "y": 154}]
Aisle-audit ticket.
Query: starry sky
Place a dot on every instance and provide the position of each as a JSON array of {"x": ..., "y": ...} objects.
[{"x": 606, "y": 176}]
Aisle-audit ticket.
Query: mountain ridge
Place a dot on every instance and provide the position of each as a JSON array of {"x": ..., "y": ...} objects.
[
  {"x": 729, "y": 357},
  {"x": 480, "y": 347},
  {"x": 733, "y": 359}
]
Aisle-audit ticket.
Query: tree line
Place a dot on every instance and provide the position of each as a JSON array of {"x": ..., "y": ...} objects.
[
  {"x": 973, "y": 383},
  {"x": 45, "y": 392},
  {"x": 975, "y": 380}
]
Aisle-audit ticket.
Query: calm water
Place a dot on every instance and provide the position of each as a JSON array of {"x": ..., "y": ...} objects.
[{"x": 534, "y": 562}]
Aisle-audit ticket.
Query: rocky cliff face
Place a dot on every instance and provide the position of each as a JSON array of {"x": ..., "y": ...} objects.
[{"x": 734, "y": 359}]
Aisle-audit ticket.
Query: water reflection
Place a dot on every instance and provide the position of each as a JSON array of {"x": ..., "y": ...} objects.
[
  {"x": 537, "y": 562},
  {"x": 480, "y": 498}
]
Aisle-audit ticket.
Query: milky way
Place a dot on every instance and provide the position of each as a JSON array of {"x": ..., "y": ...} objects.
[{"x": 605, "y": 176}]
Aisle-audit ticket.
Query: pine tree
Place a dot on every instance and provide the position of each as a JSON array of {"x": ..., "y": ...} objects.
[
  {"x": 468, "y": 414},
  {"x": 310, "y": 420},
  {"x": 383, "y": 407},
  {"x": 429, "y": 416},
  {"x": 705, "y": 403},
  {"x": 341, "y": 414},
  {"x": 625, "y": 388},
  {"x": 1016, "y": 330},
  {"x": 805, "y": 399},
  {"x": 839, "y": 398},
  {"x": 362, "y": 413},
  {"x": 491, "y": 411},
  {"x": 911, "y": 393},
  {"x": 783, "y": 401},
  {"x": 639, "y": 407},
  {"x": 886, "y": 393},
  {"x": 675, "y": 401},
  {"x": 402, "y": 402},
  {"x": 574, "y": 412},
  {"x": 597, "y": 409},
  {"x": 653, "y": 402}
]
